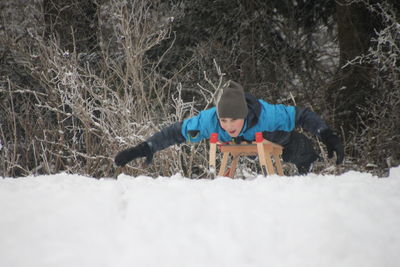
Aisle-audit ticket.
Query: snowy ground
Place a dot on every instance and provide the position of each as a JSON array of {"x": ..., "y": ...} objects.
[{"x": 69, "y": 220}]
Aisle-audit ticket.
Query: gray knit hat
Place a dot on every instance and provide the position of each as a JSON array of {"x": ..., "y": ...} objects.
[{"x": 232, "y": 102}]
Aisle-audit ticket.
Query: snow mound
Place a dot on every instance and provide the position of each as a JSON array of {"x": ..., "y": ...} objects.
[{"x": 70, "y": 220}]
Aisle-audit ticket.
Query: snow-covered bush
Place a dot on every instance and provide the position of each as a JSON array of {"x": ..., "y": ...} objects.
[{"x": 379, "y": 140}]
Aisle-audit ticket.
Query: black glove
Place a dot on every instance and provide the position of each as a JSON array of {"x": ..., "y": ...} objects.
[
  {"x": 139, "y": 151},
  {"x": 333, "y": 144}
]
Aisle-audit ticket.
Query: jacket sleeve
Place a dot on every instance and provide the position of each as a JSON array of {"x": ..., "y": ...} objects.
[
  {"x": 166, "y": 137},
  {"x": 310, "y": 121}
]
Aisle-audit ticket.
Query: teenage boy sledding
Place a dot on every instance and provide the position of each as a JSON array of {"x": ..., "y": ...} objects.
[{"x": 237, "y": 117}]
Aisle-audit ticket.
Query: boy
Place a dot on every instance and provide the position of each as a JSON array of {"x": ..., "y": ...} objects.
[{"x": 237, "y": 117}]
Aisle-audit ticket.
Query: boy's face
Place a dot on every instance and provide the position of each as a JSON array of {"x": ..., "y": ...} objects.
[{"x": 232, "y": 126}]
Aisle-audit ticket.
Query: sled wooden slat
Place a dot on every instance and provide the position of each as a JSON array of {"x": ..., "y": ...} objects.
[
  {"x": 224, "y": 163},
  {"x": 234, "y": 163},
  {"x": 213, "y": 152},
  {"x": 278, "y": 163},
  {"x": 268, "y": 153}
]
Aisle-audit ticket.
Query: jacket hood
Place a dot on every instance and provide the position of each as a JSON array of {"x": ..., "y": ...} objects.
[{"x": 254, "y": 108}]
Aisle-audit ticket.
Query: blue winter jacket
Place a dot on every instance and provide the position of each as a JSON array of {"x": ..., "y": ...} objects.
[
  {"x": 276, "y": 122},
  {"x": 271, "y": 118}
]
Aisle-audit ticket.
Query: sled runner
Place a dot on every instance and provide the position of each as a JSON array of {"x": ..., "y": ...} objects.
[{"x": 266, "y": 151}]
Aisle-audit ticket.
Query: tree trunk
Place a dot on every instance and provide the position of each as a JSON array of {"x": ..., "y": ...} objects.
[
  {"x": 247, "y": 47},
  {"x": 351, "y": 87}
]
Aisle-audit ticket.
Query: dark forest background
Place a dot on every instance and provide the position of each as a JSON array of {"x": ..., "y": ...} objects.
[{"x": 81, "y": 80}]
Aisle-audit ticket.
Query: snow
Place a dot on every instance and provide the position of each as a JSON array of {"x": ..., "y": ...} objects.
[{"x": 71, "y": 220}]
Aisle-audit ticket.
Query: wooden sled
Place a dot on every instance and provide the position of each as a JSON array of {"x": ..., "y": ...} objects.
[{"x": 266, "y": 151}]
